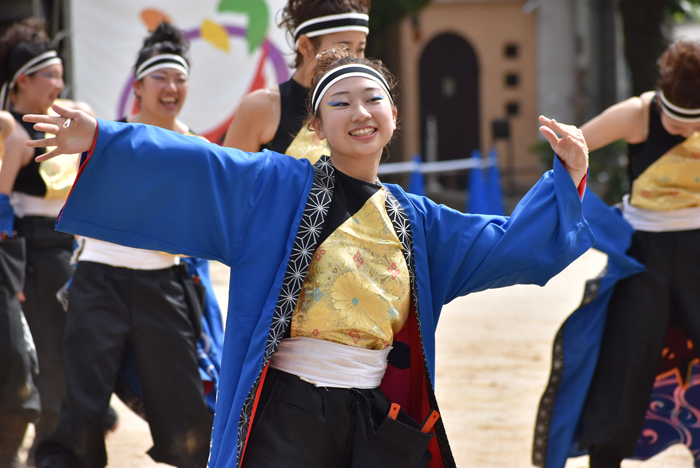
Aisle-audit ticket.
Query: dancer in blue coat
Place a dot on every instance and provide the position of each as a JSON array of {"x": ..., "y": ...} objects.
[{"x": 337, "y": 281}]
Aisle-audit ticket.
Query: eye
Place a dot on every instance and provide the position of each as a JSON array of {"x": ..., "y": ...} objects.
[
  {"x": 377, "y": 99},
  {"x": 337, "y": 104},
  {"x": 157, "y": 77}
]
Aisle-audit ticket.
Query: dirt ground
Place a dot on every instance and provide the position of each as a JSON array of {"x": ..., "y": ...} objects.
[{"x": 493, "y": 355}]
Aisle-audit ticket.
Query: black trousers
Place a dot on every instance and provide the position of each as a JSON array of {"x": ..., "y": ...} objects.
[
  {"x": 299, "y": 425},
  {"x": 640, "y": 310},
  {"x": 48, "y": 268},
  {"x": 19, "y": 399},
  {"x": 109, "y": 307}
]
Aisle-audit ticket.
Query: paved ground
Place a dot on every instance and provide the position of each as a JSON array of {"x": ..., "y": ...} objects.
[{"x": 493, "y": 357}]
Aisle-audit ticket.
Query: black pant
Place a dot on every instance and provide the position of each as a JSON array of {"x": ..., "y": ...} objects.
[
  {"x": 109, "y": 307},
  {"x": 638, "y": 316},
  {"x": 48, "y": 268},
  {"x": 299, "y": 425},
  {"x": 19, "y": 400}
]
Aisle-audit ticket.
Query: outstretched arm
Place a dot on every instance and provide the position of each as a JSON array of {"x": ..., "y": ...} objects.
[{"x": 151, "y": 188}]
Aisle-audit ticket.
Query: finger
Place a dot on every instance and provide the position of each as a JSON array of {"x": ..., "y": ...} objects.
[
  {"x": 51, "y": 154},
  {"x": 549, "y": 135},
  {"x": 42, "y": 118},
  {"x": 47, "y": 128},
  {"x": 43, "y": 143},
  {"x": 65, "y": 112}
]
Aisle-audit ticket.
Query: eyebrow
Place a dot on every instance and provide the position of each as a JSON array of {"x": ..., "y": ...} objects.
[
  {"x": 347, "y": 42},
  {"x": 371, "y": 88}
]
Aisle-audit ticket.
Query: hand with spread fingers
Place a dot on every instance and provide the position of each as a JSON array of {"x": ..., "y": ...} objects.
[
  {"x": 74, "y": 131},
  {"x": 571, "y": 148}
]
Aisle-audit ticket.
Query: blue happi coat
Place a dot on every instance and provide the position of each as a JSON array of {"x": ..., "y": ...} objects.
[{"x": 262, "y": 214}]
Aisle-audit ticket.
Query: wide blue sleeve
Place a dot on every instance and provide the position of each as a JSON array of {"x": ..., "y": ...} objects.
[
  {"x": 467, "y": 253},
  {"x": 149, "y": 188}
]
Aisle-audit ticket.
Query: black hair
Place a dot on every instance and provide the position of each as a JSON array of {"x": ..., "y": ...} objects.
[
  {"x": 22, "y": 42},
  {"x": 166, "y": 39}
]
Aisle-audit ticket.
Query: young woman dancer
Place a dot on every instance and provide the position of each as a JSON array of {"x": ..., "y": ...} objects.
[
  {"x": 31, "y": 196},
  {"x": 121, "y": 298},
  {"x": 273, "y": 118},
  {"x": 652, "y": 314},
  {"x": 332, "y": 273},
  {"x": 19, "y": 400}
]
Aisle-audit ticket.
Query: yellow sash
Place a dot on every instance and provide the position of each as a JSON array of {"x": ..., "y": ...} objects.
[
  {"x": 673, "y": 181},
  {"x": 306, "y": 145},
  {"x": 357, "y": 288}
]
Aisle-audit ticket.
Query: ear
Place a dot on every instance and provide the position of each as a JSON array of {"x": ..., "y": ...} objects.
[
  {"x": 137, "y": 88},
  {"x": 395, "y": 113},
  {"x": 22, "y": 81},
  {"x": 317, "y": 124},
  {"x": 306, "y": 48}
]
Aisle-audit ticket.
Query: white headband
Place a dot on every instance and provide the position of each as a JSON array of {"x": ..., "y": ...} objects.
[
  {"x": 332, "y": 24},
  {"x": 678, "y": 113},
  {"x": 158, "y": 62},
  {"x": 37, "y": 63},
  {"x": 348, "y": 71}
]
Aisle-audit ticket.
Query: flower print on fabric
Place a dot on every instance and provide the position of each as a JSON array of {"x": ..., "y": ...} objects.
[
  {"x": 357, "y": 301},
  {"x": 357, "y": 288}
]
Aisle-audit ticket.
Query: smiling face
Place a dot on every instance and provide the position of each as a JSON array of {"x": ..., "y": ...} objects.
[
  {"x": 357, "y": 119},
  {"x": 678, "y": 127},
  {"x": 162, "y": 92},
  {"x": 39, "y": 90}
]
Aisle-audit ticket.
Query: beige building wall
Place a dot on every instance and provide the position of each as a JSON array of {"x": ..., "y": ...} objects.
[{"x": 489, "y": 26}]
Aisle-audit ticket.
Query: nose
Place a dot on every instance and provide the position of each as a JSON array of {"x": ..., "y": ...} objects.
[
  {"x": 361, "y": 113},
  {"x": 171, "y": 85}
]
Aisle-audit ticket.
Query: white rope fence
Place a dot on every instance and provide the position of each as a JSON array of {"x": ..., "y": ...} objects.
[{"x": 434, "y": 167}]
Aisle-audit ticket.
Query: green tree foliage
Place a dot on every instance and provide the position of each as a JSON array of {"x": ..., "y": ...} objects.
[
  {"x": 647, "y": 31},
  {"x": 384, "y": 15}
]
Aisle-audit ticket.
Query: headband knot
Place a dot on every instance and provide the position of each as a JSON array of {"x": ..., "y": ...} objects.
[
  {"x": 348, "y": 71},
  {"x": 160, "y": 61},
  {"x": 332, "y": 24}
]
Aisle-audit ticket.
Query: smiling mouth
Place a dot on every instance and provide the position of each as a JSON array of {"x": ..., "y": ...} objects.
[
  {"x": 363, "y": 131},
  {"x": 169, "y": 101}
]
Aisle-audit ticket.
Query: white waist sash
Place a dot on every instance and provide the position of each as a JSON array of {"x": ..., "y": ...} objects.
[
  {"x": 686, "y": 219},
  {"x": 328, "y": 364}
]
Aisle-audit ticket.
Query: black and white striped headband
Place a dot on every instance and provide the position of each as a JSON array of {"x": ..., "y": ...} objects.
[
  {"x": 162, "y": 61},
  {"x": 678, "y": 113},
  {"x": 35, "y": 64},
  {"x": 332, "y": 24},
  {"x": 348, "y": 71}
]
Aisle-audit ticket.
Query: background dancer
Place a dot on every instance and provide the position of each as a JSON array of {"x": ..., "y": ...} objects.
[
  {"x": 121, "y": 298},
  {"x": 650, "y": 315},
  {"x": 19, "y": 399},
  {"x": 273, "y": 118},
  {"x": 323, "y": 264},
  {"x": 32, "y": 80}
]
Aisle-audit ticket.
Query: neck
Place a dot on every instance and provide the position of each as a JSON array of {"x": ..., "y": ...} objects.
[
  {"x": 168, "y": 123},
  {"x": 357, "y": 168},
  {"x": 22, "y": 105},
  {"x": 304, "y": 74}
]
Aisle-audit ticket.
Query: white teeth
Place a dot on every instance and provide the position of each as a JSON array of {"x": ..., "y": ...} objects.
[
  {"x": 168, "y": 100},
  {"x": 363, "y": 131}
]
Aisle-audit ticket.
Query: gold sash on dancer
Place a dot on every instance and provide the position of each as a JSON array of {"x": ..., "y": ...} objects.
[
  {"x": 673, "y": 181},
  {"x": 357, "y": 288},
  {"x": 306, "y": 145}
]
